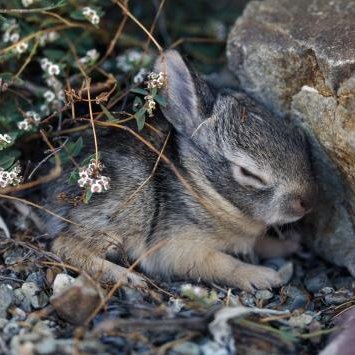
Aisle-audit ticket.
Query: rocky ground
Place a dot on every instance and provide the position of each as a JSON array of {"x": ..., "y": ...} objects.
[{"x": 46, "y": 308}]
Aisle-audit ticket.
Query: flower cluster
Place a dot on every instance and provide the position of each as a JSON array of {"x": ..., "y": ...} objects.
[
  {"x": 90, "y": 177},
  {"x": 156, "y": 80},
  {"x": 50, "y": 67},
  {"x": 90, "y": 57},
  {"x": 149, "y": 105},
  {"x": 56, "y": 87},
  {"x": 91, "y": 15},
  {"x": 10, "y": 178},
  {"x": 27, "y": 3},
  {"x": 47, "y": 37},
  {"x": 5, "y": 140},
  {"x": 132, "y": 59},
  {"x": 32, "y": 118},
  {"x": 11, "y": 31}
]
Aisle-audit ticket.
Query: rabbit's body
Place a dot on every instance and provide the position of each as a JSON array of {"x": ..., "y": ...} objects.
[{"x": 229, "y": 170}]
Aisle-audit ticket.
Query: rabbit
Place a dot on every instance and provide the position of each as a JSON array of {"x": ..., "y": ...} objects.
[{"x": 229, "y": 170}]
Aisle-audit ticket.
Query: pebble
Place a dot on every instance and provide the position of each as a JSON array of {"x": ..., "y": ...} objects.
[
  {"x": 338, "y": 297},
  {"x": 38, "y": 278},
  {"x": 35, "y": 295},
  {"x": 247, "y": 299},
  {"x": 286, "y": 272},
  {"x": 61, "y": 283},
  {"x": 300, "y": 321},
  {"x": 6, "y": 299},
  {"x": 186, "y": 348},
  {"x": 264, "y": 295},
  {"x": 296, "y": 298},
  {"x": 316, "y": 281},
  {"x": 22, "y": 301},
  {"x": 19, "y": 314}
]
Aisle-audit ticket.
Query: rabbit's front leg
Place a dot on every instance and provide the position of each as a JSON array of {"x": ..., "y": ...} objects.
[{"x": 187, "y": 259}]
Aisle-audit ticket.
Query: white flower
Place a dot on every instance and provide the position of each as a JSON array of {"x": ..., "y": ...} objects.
[
  {"x": 150, "y": 104},
  {"x": 53, "y": 69},
  {"x": 24, "y": 125},
  {"x": 27, "y": 3},
  {"x": 14, "y": 37},
  {"x": 90, "y": 58},
  {"x": 91, "y": 15},
  {"x": 139, "y": 77},
  {"x": 45, "y": 63},
  {"x": 33, "y": 115},
  {"x": 49, "y": 96},
  {"x": 6, "y": 37},
  {"x": 96, "y": 187},
  {"x": 5, "y": 138},
  {"x": 129, "y": 60},
  {"x": 48, "y": 37},
  {"x": 44, "y": 109},
  {"x": 21, "y": 47},
  {"x": 10, "y": 178},
  {"x": 90, "y": 177},
  {"x": 156, "y": 80}
]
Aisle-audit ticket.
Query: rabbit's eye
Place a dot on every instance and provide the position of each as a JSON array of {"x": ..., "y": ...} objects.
[
  {"x": 247, "y": 178},
  {"x": 250, "y": 175}
]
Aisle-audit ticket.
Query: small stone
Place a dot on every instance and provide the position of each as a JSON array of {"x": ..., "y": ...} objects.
[
  {"x": 286, "y": 272},
  {"x": 300, "y": 321},
  {"x": 247, "y": 299},
  {"x": 61, "y": 283},
  {"x": 263, "y": 295},
  {"x": 187, "y": 348},
  {"x": 22, "y": 301},
  {"x": 316, "y": 281},
  {"x": 338, "y": 297},
  {"x": 35, "y": 295},
  {"x": 38, "y": 278},
  {"x": 19, "y": 314},
  {"x": 10, "y": 330},
  {"x": 3, "y": 322},
  {"x": 77, "y": 303},
  {"x": 6, "y": 299},
  {"x": 296, "y": 298}
]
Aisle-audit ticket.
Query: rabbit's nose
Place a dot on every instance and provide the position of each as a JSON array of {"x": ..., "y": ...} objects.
[{"x": 301, "y": 205}]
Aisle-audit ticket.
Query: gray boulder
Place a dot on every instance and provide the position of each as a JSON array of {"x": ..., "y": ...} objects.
[{"x": 298, "y": 58}]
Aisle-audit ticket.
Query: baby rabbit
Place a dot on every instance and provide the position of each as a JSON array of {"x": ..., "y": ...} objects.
[{"x": 232, "y": 169}]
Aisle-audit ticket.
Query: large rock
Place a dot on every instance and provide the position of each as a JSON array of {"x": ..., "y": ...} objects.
[{"x": 298, "y": 58}]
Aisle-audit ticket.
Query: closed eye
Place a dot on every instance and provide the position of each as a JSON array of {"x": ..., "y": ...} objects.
[{"x": 250, "y": 175}]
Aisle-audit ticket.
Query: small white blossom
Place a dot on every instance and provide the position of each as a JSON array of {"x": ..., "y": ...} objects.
[
  {"x": 14, "y": 37},
  {"x": 90, "y": 177},
  {"x": 10, "y": 178},
  {"x": 130, "y": 59},
  {"x": 24, "y": 125},
  {"x": 91, "y": 57},
  {"x": 150, "y": 105},
  {"x": 91, "y": 15},
  {"x": 156, "y": 80},
  {"x": 49, "y": 96},
  {"x": 140, "y": 76},
  {"x": 5, "y": 140},
  {"x": 44, "y": 109},
  {"x": 27, "y": 3},
  {"x": 21, "y": 47},
  {"x": 31, "y": 119},
  {"x": 53, "y": 69},
  {"x": 48, "y": 37}
]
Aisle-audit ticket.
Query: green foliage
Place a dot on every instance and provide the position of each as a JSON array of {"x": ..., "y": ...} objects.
[{"x": 49, "y": 47}]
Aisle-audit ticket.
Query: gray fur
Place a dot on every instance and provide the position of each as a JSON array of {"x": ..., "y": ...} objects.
[{"x": 209, "y": 132}]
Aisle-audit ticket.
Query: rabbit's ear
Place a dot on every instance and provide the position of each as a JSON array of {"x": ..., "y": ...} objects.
[{"x": 184, "y": 92}]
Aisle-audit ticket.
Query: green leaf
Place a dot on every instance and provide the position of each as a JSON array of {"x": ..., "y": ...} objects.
[
  {"x": 161, "y": 100},
  {"x": 74, "y": 148},
  {"x": 108, "y": 114},
  {"x": 137, "y": 104},
  {"x": 140, "y": 91},
  {"x": 140, "y": 118},
  {"x": 154, "y": 92},
  {"x": 8, "y": 158},
  {"x": 6, "y": 76},
  {"x": 54, "y": 54},
  {"x": 87, "y": 197},
  {"x": 73, "y": 177},
  {"x": 77, "y": 15}
]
